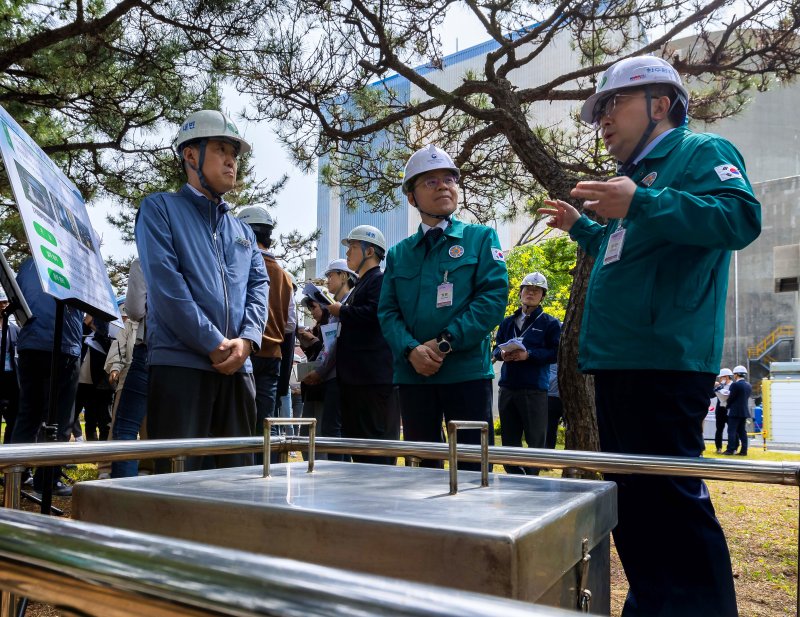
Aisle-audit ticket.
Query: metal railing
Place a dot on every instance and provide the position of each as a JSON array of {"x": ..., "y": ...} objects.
[
  {"x": 15, "y": 458},
  {"x": 101, "y": 571}
]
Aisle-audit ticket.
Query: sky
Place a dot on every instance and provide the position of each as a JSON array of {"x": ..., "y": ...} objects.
[{"x": 297, "y": 203}]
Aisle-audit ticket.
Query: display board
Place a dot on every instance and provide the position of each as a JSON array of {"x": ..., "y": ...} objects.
[{"x": 63, "y": 244}]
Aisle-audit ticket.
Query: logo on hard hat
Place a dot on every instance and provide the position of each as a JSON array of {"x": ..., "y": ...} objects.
[
  {"x": 370, "y": 234},
  {"x": 188, "y": 126},
  {"x": 603, "y": 80},
  {"x": 637, "y": 77},
  {"x": 433, "y": 155}
]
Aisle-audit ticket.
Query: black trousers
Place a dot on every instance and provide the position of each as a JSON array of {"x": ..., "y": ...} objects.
[
  {"x": 523, "y": 411},
  {"x": 721, "y": 419},
  {"x": 424, "y": 406},
  {"x": 669, "y": 540},
  {"x": 737, "y": 432},
  {"x": 186, "y": 403},
  {"x": 34, "y": 399},
  {"x": 370, "y": 412},
  {"x": 96, "y": 406},
  {"x": 9, "y": 401},
  {"x": 554, "y": 412}
]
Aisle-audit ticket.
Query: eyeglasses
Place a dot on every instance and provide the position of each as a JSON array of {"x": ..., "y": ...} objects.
[
  {"x": 433, "y": 183},
  {"x": 607, "y": 106}
]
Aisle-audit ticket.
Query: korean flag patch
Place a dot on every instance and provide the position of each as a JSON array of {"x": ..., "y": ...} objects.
[
  {"x": 726, "y": 172},
  {"x": 497, "y": 254}
]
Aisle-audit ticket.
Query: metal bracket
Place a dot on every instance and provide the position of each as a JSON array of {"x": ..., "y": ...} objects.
[
  {"x": 452, "y": 429},
  {"x": 312, "y": 437},
  {"x": 584, "y": 595}
]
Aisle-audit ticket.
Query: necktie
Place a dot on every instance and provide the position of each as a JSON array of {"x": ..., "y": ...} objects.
[{"x": 432, "y": 237}]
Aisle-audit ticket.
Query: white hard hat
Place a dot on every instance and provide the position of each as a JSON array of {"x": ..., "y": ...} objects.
[
  {"x": 339, "y": 265},
  {"x": 366, "y": 233},
  {"x": 209, "y": 124},
  {"x": 424, "y": 160},
  {"x": 739, "y": 370},
  {"x": 634, "y": 72},
  {"x": 3, "y": 296},
  {"x": 726, "y": 372},
  {"x": 537, "y": 279},
  {"x": 256, "y": 215}
]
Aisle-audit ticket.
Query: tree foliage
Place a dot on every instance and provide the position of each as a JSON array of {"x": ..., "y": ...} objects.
[
  {"x": 553, "y": 257},
  {"x": 328, "y": 81},
  {"x": 102, "y": 87}
]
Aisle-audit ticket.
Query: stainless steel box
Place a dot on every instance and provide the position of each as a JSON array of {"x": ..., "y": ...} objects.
[{"x": 521, "y": 537}]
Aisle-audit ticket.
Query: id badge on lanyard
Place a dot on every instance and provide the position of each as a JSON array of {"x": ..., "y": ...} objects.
[
  {"x": 614, "y": 246},
  {"x": 444, "y": 293}
]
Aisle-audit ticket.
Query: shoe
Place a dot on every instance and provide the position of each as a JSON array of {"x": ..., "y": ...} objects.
[
  {"x": 62, "y": 490},
  {"x": 726, "y": 453},
  {"x": 28, "y": 481},
  {"x": 104, "y": 476},
  {"x": 719, "y": 450},
  {"x": 741, "y": 454},
  {"x": 80, "y": 438}
]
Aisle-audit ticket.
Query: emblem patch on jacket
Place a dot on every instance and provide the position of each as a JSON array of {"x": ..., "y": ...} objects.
[
  {"x": 456, "y": 251},
  {"x": 726, "y": 172},
  {"x": 649, "y": 178},
  {"x": 243, "y": 241},
  {"x": 497, "y": 254}
]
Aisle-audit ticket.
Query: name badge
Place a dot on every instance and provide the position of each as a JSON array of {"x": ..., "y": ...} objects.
[
  {"x": 444, "y": 293},
  {"x": 614, "y": 247}
]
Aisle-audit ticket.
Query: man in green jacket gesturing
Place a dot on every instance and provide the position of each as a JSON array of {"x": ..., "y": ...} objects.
[
  {"x": 444, "y": 291},
  {"x": 653, "y": 323}
]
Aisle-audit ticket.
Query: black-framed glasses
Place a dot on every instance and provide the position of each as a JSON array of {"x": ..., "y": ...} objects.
[
  {"x": 607, "y": 106},
  {"x": 434, "y": 183}
]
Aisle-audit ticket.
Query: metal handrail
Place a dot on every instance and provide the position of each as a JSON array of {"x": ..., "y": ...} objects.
[
  {"x": 14, "y": 459},
  {"x": 107, "y": 572},
  {"x": 777, "y": 472}
]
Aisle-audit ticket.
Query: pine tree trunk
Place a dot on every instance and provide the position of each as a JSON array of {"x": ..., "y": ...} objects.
[{"x": 575, "y": 388}]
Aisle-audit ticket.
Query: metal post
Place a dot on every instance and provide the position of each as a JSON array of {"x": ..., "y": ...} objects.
[
  {"x": 312, "y": 434},
  {"x": 452, "y": 429},
  {"x": 178, "y": 463},
  {"x": 13, "y": 486}
]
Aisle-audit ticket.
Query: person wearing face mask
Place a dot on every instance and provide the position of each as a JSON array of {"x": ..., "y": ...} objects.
[
  {"x": 653, "y": 322},
  {"x": 527, "y": 344},
  {"x": 445, "y": 290}
]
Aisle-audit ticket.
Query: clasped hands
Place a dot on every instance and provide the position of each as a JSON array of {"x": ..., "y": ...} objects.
[{"x": 230, "y": 355}]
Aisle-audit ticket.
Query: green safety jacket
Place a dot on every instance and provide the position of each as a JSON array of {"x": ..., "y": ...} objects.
[
  {"x": 471, "y": 259},
  {"x": 661, "y": 306}
]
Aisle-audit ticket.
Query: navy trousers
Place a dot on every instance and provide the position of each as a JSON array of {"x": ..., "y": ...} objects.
[
  {"x": 668, "y": 538},
  {"x": 423, "y": 406}
]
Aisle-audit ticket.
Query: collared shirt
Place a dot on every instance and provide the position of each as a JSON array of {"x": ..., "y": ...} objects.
[
  {"x": 649, "y": 147},
  {"x": 443, "y": 224}
]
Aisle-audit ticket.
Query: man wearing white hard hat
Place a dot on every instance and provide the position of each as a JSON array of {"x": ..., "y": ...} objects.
[
  {"x": 340, "y": 280},
  {"x": 654, "y": 318},
  {"x": 267, "y": 361},
  {"x": 446, "y": 289},
  {"x": 207, "y": 294},
  {"x": 721, "y": 391},
  {"x": 527, "y": 344},
  {"x": 363, "y": 358},
  {"x": 738, "y": 412}
]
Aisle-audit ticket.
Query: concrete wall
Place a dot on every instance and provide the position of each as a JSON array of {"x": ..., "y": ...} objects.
[{"x": 760, "y": 309}]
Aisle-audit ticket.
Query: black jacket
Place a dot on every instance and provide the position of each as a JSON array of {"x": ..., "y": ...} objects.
[{"x": 363, "y": 356}]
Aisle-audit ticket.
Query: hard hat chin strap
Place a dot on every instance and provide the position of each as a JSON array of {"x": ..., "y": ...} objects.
[
  {"x": 441, "y": 217},
  {"x": 199, "y": 171},
  {"x": 626, "y": 168}
]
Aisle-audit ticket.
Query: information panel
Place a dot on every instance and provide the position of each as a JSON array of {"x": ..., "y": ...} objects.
[{"x": 63, "y": 243}]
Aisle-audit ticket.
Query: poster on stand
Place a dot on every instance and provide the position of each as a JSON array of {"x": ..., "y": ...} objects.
[{"x": 64, "y": 246}]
